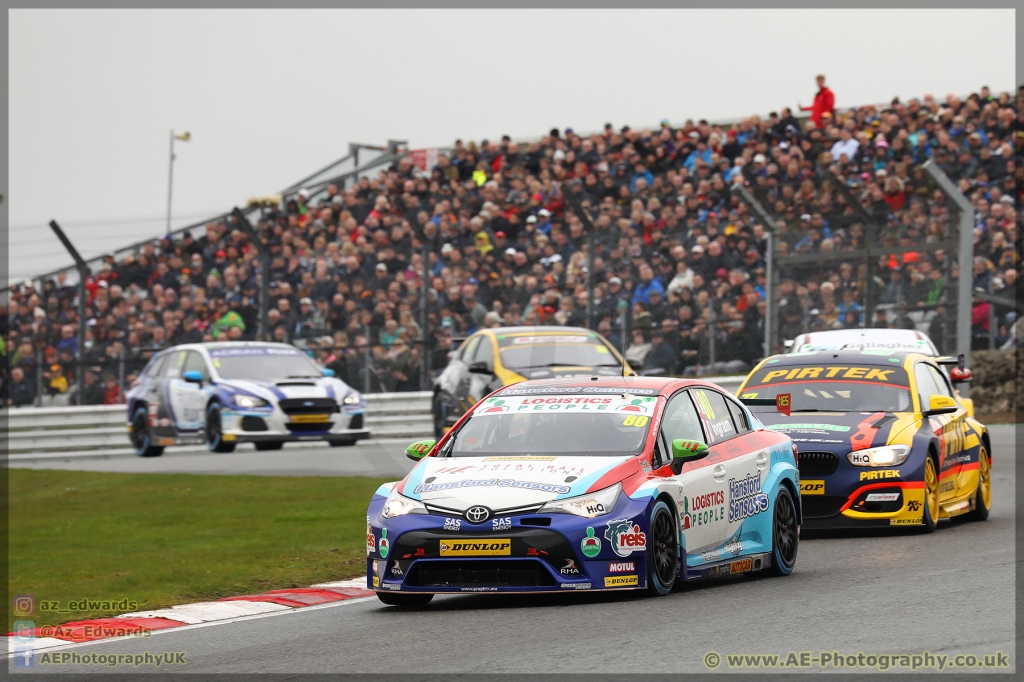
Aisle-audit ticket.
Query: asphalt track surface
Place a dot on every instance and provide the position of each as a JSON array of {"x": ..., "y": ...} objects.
[{"x": 951, "y": 592}]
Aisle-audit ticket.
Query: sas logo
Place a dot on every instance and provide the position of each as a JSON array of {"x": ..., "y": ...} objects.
[
  {"x": 625, "y": 537},
  {"x": 476, "y": 548},
  {"x": 741, "y": 566},
  {"x": 453, "y": 524},
  {"x": 621, "y": 581},
  {"x": 876, "y": 475},
  {"x": 621, "y": 567},
  {"x": 812, "y": 487},
  {"x": 503, "y": 523}
]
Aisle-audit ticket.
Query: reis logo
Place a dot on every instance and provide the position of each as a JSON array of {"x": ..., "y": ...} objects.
[{"x": 625, "y": 537}]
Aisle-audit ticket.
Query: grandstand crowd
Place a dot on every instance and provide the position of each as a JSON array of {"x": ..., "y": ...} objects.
[{"x": 680, "y": 261}]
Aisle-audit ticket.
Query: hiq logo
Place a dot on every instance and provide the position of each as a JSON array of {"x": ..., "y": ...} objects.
[
  {"x": 746, "y": 498},
  {"x": 24, "y": 605}
]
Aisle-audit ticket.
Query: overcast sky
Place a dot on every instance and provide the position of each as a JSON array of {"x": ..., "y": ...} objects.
[{"x": 271, "y": 95}]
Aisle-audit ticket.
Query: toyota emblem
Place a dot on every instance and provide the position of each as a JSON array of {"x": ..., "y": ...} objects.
[{"x": 478, "y": 514}]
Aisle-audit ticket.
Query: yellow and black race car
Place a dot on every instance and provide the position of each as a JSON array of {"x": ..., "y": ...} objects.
[{"x": 882, "y": 439}]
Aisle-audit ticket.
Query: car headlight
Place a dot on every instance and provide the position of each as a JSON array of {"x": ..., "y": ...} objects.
[
  {"x": 400, "y": 505},
  {"x": 885, "y": 456},
  {"x": 589, "y": 505},
  {"x": 249, "y": 401},
  {"x": 352, "y": 398}
]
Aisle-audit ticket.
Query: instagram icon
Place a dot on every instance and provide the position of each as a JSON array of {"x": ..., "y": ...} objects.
[{"x": 24, "y": 604}]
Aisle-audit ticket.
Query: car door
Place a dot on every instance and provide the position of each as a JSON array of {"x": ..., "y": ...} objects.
[
  {"x": 703, "y": 483},
  {"x": 186, "y": 400},
  {"x": 955, "y": 456},
  {"x": 746, "y": 465}
]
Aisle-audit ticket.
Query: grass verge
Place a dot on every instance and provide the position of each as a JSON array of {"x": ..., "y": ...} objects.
[{"x": 165, "y": 539}]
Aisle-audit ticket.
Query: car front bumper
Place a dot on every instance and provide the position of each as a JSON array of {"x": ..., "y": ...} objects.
[
  {"x": 530, "y": 553},
  {"x": 253, "y": 426}
]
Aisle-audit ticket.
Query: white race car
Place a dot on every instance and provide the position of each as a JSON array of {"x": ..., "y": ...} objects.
[{"x": 222, "y": 394}]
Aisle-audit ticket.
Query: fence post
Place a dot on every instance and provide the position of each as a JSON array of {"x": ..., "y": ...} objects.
[
  {"x": 83, "y": 275},
  {"x": 264, "y": 251},
  {"x": 871, "y": 232},
  {"x": 772, "y": 308},
  {"x": 120, "y": 371},
  {"x": 39, "y": 378},
  {"x": 366, "y": 359},
  {"x": 966, "y": 261},
  {"x": 577, "y": 208}
]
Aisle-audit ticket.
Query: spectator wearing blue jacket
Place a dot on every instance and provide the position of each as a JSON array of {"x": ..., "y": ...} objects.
[
  {"x": 648, "y": 283},
  {"x": 640, "y": 172}
]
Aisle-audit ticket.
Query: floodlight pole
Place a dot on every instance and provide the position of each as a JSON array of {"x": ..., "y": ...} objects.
[
  {"x": 771, "y": 313},
  {"x": 263, "y": 332}
]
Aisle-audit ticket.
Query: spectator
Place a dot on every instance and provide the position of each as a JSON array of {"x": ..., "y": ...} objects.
[
  {"x": 22, "y": 392},
  {"x": 824, "y": 103}
]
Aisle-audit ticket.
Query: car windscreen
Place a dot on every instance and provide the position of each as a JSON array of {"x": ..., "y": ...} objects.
[
  {"x": 263, "y": 364},
  {"x": 584, "y": 425},
  {"x": 831, "y": 388},
  {"x": 569, "y": 350}
]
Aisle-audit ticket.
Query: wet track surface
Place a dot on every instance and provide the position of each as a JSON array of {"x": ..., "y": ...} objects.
[{"x": 951, "y": 592}]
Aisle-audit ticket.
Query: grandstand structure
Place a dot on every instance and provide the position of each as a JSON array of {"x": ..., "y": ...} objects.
[{"x": 696, "y": 247}]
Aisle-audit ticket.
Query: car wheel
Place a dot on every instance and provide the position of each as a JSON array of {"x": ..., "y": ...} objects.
[
  {"x": 269, "y": 444},
  {"x": 214, "y": 435},
  {"x": 409, "y": 601},
  {"x": 983, "y": 496},
  {"x": 142, "y": 441},
  {"x": 662, "y": 550},
  {"x": 785, "y": 540},
  {"x": 438, "y": 410},
  {"x": 931, "y": 496},
  {"x": 341, "y": 442}
]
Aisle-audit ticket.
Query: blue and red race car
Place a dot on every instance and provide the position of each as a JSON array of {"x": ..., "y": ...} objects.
[{"x": 587, "y": 484}]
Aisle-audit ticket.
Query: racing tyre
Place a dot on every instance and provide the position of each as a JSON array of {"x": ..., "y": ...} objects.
[
  {"x": 983, "y": 496},
  {"x": 785, "y": 540},
  {"x": 269, "y": 445},
  {"x": 930, "y": 516},
  {"x": 142, "y": 441},
  {"x": 214, "y": 436},
  {"x": 662, "y": 551},
  {"x": 409, "y": 601},
  {"x": 341, "y": 443}
]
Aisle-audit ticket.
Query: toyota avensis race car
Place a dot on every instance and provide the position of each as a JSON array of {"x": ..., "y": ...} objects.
[
  {"x": 498, "y": 357},
  {"x": 587, "y": 484},
  {"x": 223, "y": 394},
  {"x": 883, "y": 440}
]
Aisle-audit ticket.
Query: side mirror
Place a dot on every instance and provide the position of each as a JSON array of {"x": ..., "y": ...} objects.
[
  {"x": 327, "y": 372},
  {"x": 480, "y": 368},
  {"x": 193, "y": 376},
  {"x": 419, "y": 449},
  {"x": 940, "y": 404},
  {"x": 960, "y": 376},
  {"x": 684, "y": 451}
]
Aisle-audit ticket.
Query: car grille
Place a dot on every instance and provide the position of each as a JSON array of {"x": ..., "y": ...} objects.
[
  {"x": 480, "y": 573},
  {"x": 817, "y": 463},
  {"x": 815, "y": 507},
  {"x": 307, "y": 428},
  {"x": 308, "y": 405}
]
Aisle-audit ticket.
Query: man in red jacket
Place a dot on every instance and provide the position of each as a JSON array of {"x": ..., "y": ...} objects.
[{"x": 824, "y": 101}]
